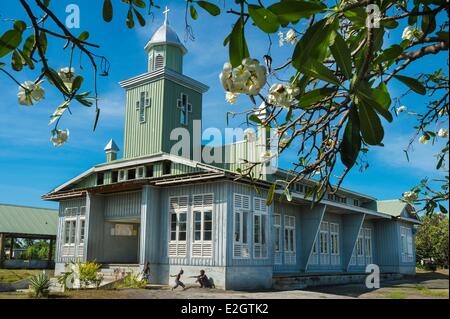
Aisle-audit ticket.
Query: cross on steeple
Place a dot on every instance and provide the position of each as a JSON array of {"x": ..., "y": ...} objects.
[
  {"x": 166, "y": 15},
  {"x": 185, "y": 107},
  {"x": 141, "y": 106}
]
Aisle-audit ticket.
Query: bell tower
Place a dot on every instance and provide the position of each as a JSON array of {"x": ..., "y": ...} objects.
[
  {"x": 164, "y": 49},
  {"x": 162, "y": 99}
]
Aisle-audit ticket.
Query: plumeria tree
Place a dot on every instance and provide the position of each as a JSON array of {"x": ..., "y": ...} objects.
[{"x": 330, "y": 110}]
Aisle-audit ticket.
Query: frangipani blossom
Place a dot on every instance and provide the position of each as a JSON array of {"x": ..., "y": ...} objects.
[
  {"x": 424, "y": 139},
  {"x": 409, "y": 196},
  {"x": 442, "y": 133},
  {"x": 247, "y": 78},
  {"x": 282, "y": 94},
  {"x": 29, "y": 92},
  {"x": 59, "y": 137},
  {"x": 401, "y": 109}
]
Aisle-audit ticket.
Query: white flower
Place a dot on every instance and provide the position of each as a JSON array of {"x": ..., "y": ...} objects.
[
  {"x": 247, "y": 78},
  {"x": 266, "y": 155},
  {"x": 231, "y": 97},
  {"x": 401, "y": 109},
  {"x": 442, "y": 133},
  {"x": 67, "y": 75},
  {"x": 282, "y": 94},
  {"x": 409, "y": 196},
  {"x": 424, "y": 139},
  {"x": 410, "y": 33},
  {"x": 442, "y": 112},
  {"x": 29, "y": 92},
  {"x": 291, "y": 37},
  {"x": 59, "y": 137}
]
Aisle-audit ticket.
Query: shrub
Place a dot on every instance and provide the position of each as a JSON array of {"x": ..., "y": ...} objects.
[
  {"x": 40, "y": 285},
  {"x": 89, "y": 274},
  {"x": 133, "y": 280}
]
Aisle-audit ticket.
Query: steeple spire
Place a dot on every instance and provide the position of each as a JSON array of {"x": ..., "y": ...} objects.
[{"x": 166, "y": 15}]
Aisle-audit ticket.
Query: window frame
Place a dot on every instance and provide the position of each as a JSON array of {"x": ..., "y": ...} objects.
[
  {"x": 177, "y": 212},
  {"x": 244, "y": 212}
]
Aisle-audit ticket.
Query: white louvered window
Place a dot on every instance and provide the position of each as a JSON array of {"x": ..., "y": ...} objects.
[
  {"x": 202, "y": 222},
  {"x": 289, "y": 240},
  {"x": 334, "y": 243},
  {"x": 178, "y": 208},
  {"x": 159, "y": 61},
  {"x": 241, "y": 205},
  {"x": 324, "y": 244},
  {"x": 122, "y": 176},
  {"x": 140, "y": 172},
  {"x": 363, "y": 251},
  {"x": 277, "y": 239},
  {"x": 259, "y": 228},
  {"x": 406, "y": 244}
]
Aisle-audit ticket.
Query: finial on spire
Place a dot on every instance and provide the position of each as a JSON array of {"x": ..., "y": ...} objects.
[{"x": 166, "y": 14}]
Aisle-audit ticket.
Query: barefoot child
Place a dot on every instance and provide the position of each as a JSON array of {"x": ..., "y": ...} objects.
[{"x": 178, "y": 282}]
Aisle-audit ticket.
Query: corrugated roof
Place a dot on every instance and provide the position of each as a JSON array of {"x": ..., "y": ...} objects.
[
  {"x": 393, "y": 207},
  {"x": 28, "y": 220}
]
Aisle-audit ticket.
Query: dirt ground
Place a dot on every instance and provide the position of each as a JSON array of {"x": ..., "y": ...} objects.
[{"x": 425, "y": 285}]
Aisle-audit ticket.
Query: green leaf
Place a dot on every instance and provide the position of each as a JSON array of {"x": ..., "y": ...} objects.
[
  {"x": 16, "y": 61},
  {"x": 342, "y": 55},
  {"x": 271, "y": 194},
  {"x": 59, "y": 111},
  {"x": 428, "y": 22},
  {"x": 211, "y": 8},
  {"x": 292, "y": 11},
  {"x": 20, "y": 26},
  {"x": 370, "y": 125},
  {"x": 130, "y": 19},
  {"x": 288, "y": 194},
  {"x": 413, "y": 84},
  {"x": 83, "y": 36},
  {"x": 378, "y": 99},
  {"x": 194, "y": 14},
  {"x": 28, "y": 45},
  {"x": 254, "y": 118},
  {"x": 43, "y": 41},
  {"x": 389, "y": 54},
  {"x": 357, "y": 16},
  {"x": 139, "y": 3},
  {"x": 238, "y": 49},
  {"x": 314, "y": 96},
  {"x": 54, "y": 79},
  {"x": 107, "y": 11},
  {"x": 313, "y": 45},
  {"x": 319, "y": 71},
  {"x": 76, "y": 84},
  {"x": 351, "y": 140},
  {"x": 9, "y": 41},
  {"x": 140, "y": 18},
  {"x": 2, "y": 64},
  {"x": 264, "y": 19}
]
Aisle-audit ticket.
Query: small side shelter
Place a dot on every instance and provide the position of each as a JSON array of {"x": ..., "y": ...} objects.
[{"x": 26, "y": 222}]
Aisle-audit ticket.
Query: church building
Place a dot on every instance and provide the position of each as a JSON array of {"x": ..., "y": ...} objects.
[{"x": 178, "y": 212}]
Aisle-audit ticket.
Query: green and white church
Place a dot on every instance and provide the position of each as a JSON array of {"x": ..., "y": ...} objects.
[{"x": 178, "y": 212}]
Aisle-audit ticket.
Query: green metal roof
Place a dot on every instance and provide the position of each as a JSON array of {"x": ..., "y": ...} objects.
[
  {"x": 393, "y": 207},
  {"x": 28, "y": 220}
]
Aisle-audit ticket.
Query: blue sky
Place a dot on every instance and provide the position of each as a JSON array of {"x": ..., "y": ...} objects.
[{"x": 30, "y": 166}]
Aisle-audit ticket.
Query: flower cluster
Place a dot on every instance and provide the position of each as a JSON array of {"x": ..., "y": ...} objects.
[
  {"x": 282, "y": 94},
  {"x": 410, "y": 196},
  {"x": 29, "y": 92},
  {"x": 411, "y": 34},
  {"x": 59, "y": 137},
  {"x": 443, "y": 133},
  {"x": 247, "y": 78},
  {"x": 288, "y": 37},
  {"x": 67, "y": 75},
  {"x": 424, "y": 139}
]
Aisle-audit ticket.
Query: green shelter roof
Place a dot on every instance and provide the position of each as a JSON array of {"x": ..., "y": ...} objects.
[
  {"x": 28, "y": 220},
  {"x": 393, "y": 207}
]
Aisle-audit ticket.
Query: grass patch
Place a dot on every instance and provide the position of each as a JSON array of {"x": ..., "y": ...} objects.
[
  {"x": 396, "y": 295},
  {"x": 441, "y": 293},
  {"x": 12, "y": 275}
]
